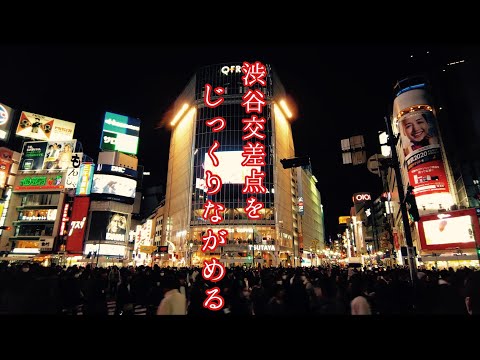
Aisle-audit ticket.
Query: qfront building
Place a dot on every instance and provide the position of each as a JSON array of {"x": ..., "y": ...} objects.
[{"x": 289, "y": 228}]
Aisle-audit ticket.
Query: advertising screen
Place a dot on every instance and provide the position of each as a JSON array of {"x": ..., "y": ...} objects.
[
  {"x": 40, "y": 127},
  {"x": 6, "y": 114},
  {"x": 230, "y": 167},
  {"x": 108, "y": 227},
  {"x": 76, "y": 230},
  {"x": 113, "y": 187},
  {"x": 449, "y": 230},
  {"x": 422, "y": 150},
  {"x": 47, "y": 155},
  {"x": 120, "y": 133},
  {"x": 105, "y": 249}
]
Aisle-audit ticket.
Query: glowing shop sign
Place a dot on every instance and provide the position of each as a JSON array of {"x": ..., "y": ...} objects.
[{"x": 40, "y": 182}]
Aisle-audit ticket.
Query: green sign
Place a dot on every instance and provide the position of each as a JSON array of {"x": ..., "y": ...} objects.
[
  {"x": 120, "y": 133},
  {"x": 40, "y": 182}
]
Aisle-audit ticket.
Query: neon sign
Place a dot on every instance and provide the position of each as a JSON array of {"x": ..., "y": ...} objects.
[{"x": 40, "y": 182}]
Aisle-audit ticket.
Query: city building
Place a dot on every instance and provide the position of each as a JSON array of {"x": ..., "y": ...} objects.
[
  {"x": 114, "y": 195},
  {"x": 447, "y": 230},
  {"x": 291, "y": 223},
  {"x": 112, "y": 204}
]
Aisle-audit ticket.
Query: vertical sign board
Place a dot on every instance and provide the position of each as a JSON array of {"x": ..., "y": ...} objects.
[
  {"x": 5, "y": 164},
  {"x": 85, "y": 179},
  {"x": 76, "y": 230},
  {"x": 300, "y": 191}
]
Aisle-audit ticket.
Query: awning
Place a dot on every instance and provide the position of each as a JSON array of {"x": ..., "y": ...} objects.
[
  {"x": 17, "y": 258},
  {"x": 449, "y": 257}
]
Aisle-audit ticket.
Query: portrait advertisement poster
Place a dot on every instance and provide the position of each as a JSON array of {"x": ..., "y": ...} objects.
[
  {"x": 108, "y": 226},
  {"x": 423, "y": 154},
  {"x": 58, "y": 155},
  {"x": 6, "y": 114},
  {"x": 43, "y": 155},
  {"x": 5, "y": 164},
  {"x": 40, "y": 127}
]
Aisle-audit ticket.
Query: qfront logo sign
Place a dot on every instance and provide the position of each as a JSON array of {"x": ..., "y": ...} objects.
[
  {"x": 227, "y": 70},
  {"x": 362, "y": 197}
]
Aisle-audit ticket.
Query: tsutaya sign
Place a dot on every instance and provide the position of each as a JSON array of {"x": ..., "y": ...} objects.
[
  {"x": 262, "y": 247},
  {"x": 227, "y": 70},
  {"x": 361, "y": 197}
]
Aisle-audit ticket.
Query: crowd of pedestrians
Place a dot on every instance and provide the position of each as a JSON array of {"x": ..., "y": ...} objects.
[{"x": 29, "y": 288}]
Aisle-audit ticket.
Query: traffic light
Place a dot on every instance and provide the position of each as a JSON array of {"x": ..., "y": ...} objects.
[
  {"x": 386, "y": 196},
  {"x": 410, "y": 200},
  {"x": 5, "y": 228},
  {"x": 295, "y": 162},
  {"x": 478, "y": 252}
]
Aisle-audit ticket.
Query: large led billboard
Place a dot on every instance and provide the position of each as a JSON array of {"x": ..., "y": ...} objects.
[
  {"x": 112, "y": 187},
  {"x": 77, "y": 225},
  {"x": 230, "y": 167},
  {"x": 48, "y": 155},
  {"x": 108, "y": 227},
  {"x": 120, "y": 133},
  {"x": 40, "y": 127},
  {"x": 6, "y": 114},
  {"x": 449, "y": 230}
]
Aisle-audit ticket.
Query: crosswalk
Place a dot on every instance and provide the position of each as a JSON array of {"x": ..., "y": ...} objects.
[{"x": 112, "y": 304}]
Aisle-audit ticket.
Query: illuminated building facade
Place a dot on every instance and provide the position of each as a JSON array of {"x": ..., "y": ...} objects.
[
  {"x": 281, "y": 232},
  {"x": 448, "y": 230}
]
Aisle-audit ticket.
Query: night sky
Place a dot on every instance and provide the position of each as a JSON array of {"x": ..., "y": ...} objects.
[{"x": 340, "y": 90}]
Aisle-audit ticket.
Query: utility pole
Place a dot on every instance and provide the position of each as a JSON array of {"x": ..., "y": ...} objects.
[
  {"x": 403, "y": 206},
  {"x": 315, "y": 243}
]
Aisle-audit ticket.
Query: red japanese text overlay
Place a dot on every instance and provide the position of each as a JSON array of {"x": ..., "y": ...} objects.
[
  {"x": 213, "y": 270},
  {"x": 254, "y": 150}
]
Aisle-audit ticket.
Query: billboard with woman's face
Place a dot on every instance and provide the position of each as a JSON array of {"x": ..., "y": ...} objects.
[
  {"x": 422, "y": 151},
  {"x": 108, "y": 226}
]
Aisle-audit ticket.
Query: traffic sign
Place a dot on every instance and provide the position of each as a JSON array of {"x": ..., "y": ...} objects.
[
  {"x": 373, "y": 163},
  {"x": 147, "y": 249}
]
